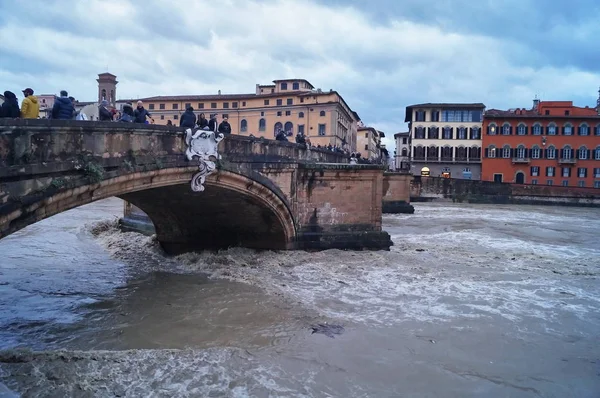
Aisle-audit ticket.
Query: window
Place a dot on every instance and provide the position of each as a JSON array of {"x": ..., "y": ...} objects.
[
  {"x": 567, "y": 113},
  {"x": 262, "y": 125},
  {"x": 243, "y": 103},
  {"x": 278, "y": 127},
  {"x": 162, "y": 117},
  {"x": 551, "y": 153},
  {"x": 278, "y": 113},
  {"x": 460, "y": 115},
  {"x": 583, "y": 153},
  {"x": 581, "y": 184},
  {"x": 565, "y": 183},
  {"x": 521, "y": 152},
  {"x": 322, "y": 129},
  {"x": 288, "y": 113},
  {"x": 535, "y": 152},
  {"x": 461, "y": 153},
  {"x": 535, "y": 171},
  {"x": 491, "y": 151},
  {"x": 290, "y": 101},
  {"x": 420, "y": 116},
  {"x": 550, "y": 172},
  {"x": 432, "y": 152},
  {"x": 446, "y": 133},
  {"x": 552, "y": 129},
  {"x": 187, "y": 105},
  {"x": 537, "y": 129},
  {"x": 567, "y": 153},
  {"x": 213, "y": 105},
  {"x": 225, "y": 105},
  {"x": 597, "y": 130},
  {"x": 175, "y": 117},
  {"x": 492, "y": 129},
  {"x": 296, "y": 86},
  {"x": 301, "y": 129},
  {"x": 433, "y": 133},
  {"x": 596, "y": 184},
  {"x": 150, "y": 106},
  {"x": 262, "y": 114},
  {"x": 234, "y": 104},
  {"x": 447, "y": 153},
  {"x": 244, "y": 125},
  {"x": 475, "y": 153},
  {"x": 366, "y": 135},
  {"x": 534, "y": 182},
  {"x": 420, "y": 133},
  {"x": 404, "y": 141},
  {"x": 284, "y": 86},
  {"x": 300, "y": 114},
  {"x": 175, "y": 106},
  {"x": 322, "y": 113},
  {"x": 582, "y": 172},
  {"x": 547, "y": 112},
  {"x": 506, "y": 151},
  {"x": 289, "y": 128},
  {"x": 435, "y": 116},
  {"x": 200, "y": 105},
  {"x": 462, "y": 133},
  {"x": 549, "y": 182},
  {"x": 568, "y": 129},
  {"x": 419, "y": 153},
  {"x": 597, "y": 153},
  {"x": 596, "y": 172},
  {"x": 366, "y": 147},
  {"x": 566, "y": 172},
  {"x": 584, "y": 129},
  {"x": 521, "y": 129},
  {"x": 103, "y": 94},
  {"x": 161, "y": 106},
  {"x": 225, "y": 115},
  {"x": 475, "y": 133},
  {"x": 279, "y": 102},
  {"x": 506, "y": 129},
  {"x": 266, "y": 102}
]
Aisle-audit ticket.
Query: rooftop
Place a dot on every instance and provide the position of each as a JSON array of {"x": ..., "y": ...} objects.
[{"x": 477, "y": 105}]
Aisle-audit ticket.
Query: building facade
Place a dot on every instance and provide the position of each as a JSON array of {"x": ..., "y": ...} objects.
[
  {"x": 107, "y": 88},
  {"x": 554, "y": 143},
  {"x": 292, "y": 105},
  {"x": 445, "y": 139},
  {"x": 402, "y": 155},
  {"x": 367, "y": 143}
]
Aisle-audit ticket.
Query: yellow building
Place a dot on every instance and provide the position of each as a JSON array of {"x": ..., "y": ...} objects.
[
  {"x": 292, "y": 105},
  {"x": 369, "y": 143}
]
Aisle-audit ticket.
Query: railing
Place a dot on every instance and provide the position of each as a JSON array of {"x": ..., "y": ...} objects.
[
  {"x": 566, "y": 161},
  {"x": 521, "y": 160},
  {"x": 444, "y": 160}
]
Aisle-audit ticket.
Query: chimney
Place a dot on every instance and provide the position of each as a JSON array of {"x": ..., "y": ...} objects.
[{"x": 219, "y": 92}]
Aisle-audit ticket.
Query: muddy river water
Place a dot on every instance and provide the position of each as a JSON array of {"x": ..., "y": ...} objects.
[{"x": 472, "y": 300}]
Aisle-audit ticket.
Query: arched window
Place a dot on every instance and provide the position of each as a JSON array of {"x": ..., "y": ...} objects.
[
  {"x": 447, "y": 153},
  {"x": 243, "y": 125},
  {"x": 597, "y": 132},
  {"x": 112, "y": 96},
  {"x": 474, "y": 153},
  {"x": 284, "y": 86},
  {"x": 322, "y": 113},
  {"x": 432, "y": 152},
  {"x": 278, "y": 127},
  {"x": 568, "y": 129},
  {"x": 103, "y": 94},
  {"x": 567, "y": 153},
  {"x": 433, "y": 133},
  {"x": 447, "y": 133},
  {"x": 289, "y": 128},
  {"x": 584, "y": 129},
  {"x": 475, "y": 133},
  {"x": 551, "y": 129},
  {"x": 506, "y": 129},
  {"x": 404, "y": 152},
  {"x": 492, "y": 129},
  {"x": 521, "y": 129},
  {"x": 420, "y": 133},
  {"x": 597, "y": 153},
  {"x": 506, "y": 151},
  {"x": 419, "y": 152},
  {"x": 296, "y": 86},
  {"x": 583, "y": 153},
  {"x": 551, "y": 152},
  {"x": 537, "y": 129},
  {"x": 535, "y": 152},
  {"x": 491, "y": 151},
  {"x": 300, "y": 114},
  {"x": 461, "y": 153},
  {"x": 262, "y": 125},
  {"x": 462, "y": 133},
  {"x": 521, "y": 152}
]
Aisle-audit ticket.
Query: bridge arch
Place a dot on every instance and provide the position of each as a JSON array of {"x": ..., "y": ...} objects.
[{"x": 234, "y": 210}]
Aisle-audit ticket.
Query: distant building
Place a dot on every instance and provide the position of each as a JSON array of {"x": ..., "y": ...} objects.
[
  {"x": 402, "y": 156},
  {"x": 291, "y": 105},
  {"x": 107, "y": 88},
  {"x": 553, "y": 143},
  {"x": 46, "y": 102},
  {"x": 446, "y": 139}
]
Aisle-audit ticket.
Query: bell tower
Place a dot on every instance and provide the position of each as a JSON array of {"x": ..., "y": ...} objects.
[{"x": 107, "y": 88}]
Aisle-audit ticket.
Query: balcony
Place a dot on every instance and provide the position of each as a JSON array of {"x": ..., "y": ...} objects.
[
  {"x": 566, "y": 161},
  {"x": 521, "y": 160}
]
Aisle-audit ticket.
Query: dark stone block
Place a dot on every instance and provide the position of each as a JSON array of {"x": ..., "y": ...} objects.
[
  {"x": 351, "y": 240},
  {"x": 397, "y": 207}
]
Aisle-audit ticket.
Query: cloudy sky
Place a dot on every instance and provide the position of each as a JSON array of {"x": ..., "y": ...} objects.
[{"x": 381, "y": 55}]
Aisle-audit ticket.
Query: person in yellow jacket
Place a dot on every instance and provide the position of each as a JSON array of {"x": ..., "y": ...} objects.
[{"x": 30, "y": 109}]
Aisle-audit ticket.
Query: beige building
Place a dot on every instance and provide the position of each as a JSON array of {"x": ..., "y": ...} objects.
[
  {"x": 402, "y": 155},
  {"x": 291, "y": 105},
  {"x": 446, "y": 139}
]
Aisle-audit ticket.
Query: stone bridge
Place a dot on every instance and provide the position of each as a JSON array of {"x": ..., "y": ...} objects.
[{"x": 263, "y": 194}]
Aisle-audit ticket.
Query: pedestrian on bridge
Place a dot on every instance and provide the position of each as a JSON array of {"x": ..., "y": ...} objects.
[
  {"x": 188, "y": 119},
  {"x": 140, "y": 114},
  {"x": 10, "y": 107}
]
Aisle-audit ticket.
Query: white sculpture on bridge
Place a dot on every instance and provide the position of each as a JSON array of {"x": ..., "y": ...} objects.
[{"x": 202, "y": 144}]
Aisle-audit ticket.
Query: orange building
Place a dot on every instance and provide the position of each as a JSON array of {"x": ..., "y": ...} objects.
[
  {"x": 554, "y": 143},
  {"x": 291, "y": 105}
]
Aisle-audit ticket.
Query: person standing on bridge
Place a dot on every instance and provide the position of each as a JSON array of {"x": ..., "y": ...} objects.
[
  {"x": 202, "y": 122},
  {"x": 188, "y": 119},
  {"x": 63, "y": 107},
  {"x": 141, "y": 113},
  {"x": 213, "y": 124},
  {"x": 10, "y": 107},
  {"x": 30, "y": 109},
  {"x": 103, "y": 113},
  {"x": 225, "y": 127}
]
